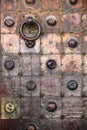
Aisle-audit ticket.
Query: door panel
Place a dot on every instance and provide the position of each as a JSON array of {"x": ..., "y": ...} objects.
[{"x": 43, "y": 65}]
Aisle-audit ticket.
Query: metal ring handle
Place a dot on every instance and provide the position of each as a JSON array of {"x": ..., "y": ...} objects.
[{"x": 29, "y": 24}]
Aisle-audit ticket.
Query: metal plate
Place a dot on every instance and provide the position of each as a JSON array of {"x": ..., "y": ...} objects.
[{"x": 43, "y": 86}]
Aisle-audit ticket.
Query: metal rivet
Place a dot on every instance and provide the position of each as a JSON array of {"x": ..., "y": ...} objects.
[
  {"x": 51, "y": 106},
  {"x": 42, "y": 95},
  {"x": 72, "y": 42},
  {"x": 20, "y": 96},
  {"x": 83, "y": 95},
  {"x": 41, "y": 74},
  {"x": 19, "y": 53},
  {"x": 31, "y": 85},
  {"x": 9, "y": 64},
  {"x": 62, "y": 116},
  {"x": 9, "y": 21},
  {"x": 20, "y": 118},
  {"x": 72, "y": 85},
  {"x": 51, "y": 20},
  {"x": 20, "y": 73},
  {"x": 83, "y": 116},
  {"x": 29, "y": 21},
  {"x": 62, "y": 95},
  {"x": 30, "y": 1},
  {"x": 41, "y": 117},
  {"x": 73, "y": 2},
  {"x": 51, "y": 64},
  {"x": 30, "y": 29},
  {"x": 30, "y": 44},
  {"x": 9, "y": 107},
  {"x": 31, "y": 127}
]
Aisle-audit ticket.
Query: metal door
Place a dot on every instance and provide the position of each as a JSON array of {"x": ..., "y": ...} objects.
[{"x": 43, "y": 65}]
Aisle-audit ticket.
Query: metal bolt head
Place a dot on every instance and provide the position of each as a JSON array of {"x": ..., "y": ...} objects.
[
  {"x": 9, "y": 107},
  {"x": 42, "y": 95},
  {"x": 9, "y": 64},
  {"x": 72, "y": 85},
  {"x": 20, "y": 73},
  {"x": 51, "y": 64},
  {"x": 29, "y": 21},
  {"x": 41, "y": 116},
  {"x": 30, "y": 44},
  {"x": 30, "y": 1},
  {"x": 31, "y": 85},
  {"x": 72, "y": 42},
  {"x": 51, "y": 20},
  {"x": 31, "y": 127},
  {"x": 62, "y": 117},
  {"x": 9, "y": 22},
  {"x": 51, "y": 106},
  {"x": 73, "y": 2},
  {"x": 83, "y": 116}
]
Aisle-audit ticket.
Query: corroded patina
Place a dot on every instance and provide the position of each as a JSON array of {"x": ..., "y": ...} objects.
[{"x": 43, "y": 65}]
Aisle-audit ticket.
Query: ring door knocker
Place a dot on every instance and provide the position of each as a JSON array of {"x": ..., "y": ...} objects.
[{"x": 30, "y": 30}]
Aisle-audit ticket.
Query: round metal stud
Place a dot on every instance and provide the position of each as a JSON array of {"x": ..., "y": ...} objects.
[
  {"x": 73, "y": 2},
  {"x": 30, "y": 44},
  {"x": 9, "y": 107},
  {"x": 30, "y": 30},
  {"x": 9, "y": 64},
  {"x": 9, "y": 21},
  {"x": 51, "y": 20},
  {"x": 72, "y": 42},
  {"x": 30, "y": 1},
  {"x": 51, "y": 64},
  {"x": 31, "y": 85},
  {"x": 29, "y": 21},
  {"x": 31, "y": 127},
  {"x": 72, "y": 85},
  {"x": 51, "y": 106}
]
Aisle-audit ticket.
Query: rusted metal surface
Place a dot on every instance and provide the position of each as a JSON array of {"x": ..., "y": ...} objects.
[{"x": 43, "y": 65}]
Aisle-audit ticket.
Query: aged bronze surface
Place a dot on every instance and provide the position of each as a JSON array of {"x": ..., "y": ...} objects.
[{"x": 43, "y": 64}]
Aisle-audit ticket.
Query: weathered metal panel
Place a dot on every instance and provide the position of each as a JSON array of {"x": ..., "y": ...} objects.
[
  {"x": 43, "y": 64},
  {"x": 51, "y": 85}
]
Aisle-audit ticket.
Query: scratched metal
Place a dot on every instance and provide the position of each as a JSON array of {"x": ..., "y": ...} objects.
[{"x": 43, "y": 86}]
